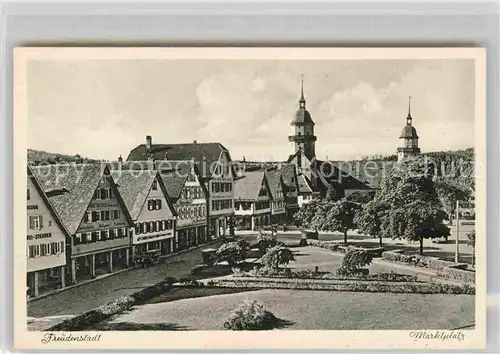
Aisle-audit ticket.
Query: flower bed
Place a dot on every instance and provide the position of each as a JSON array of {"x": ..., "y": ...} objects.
[
  {"x": 445, "y": 269},
  {"x": 346, "y": 285},
  {"x": 82, "y": 322},
  {"x": 311, "y": 274}
]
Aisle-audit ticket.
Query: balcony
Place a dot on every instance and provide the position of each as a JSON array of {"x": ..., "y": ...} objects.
[{"x": 302, "y": 138}]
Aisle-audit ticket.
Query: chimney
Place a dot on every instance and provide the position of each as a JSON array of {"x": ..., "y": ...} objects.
[
  {"x": 148, "y": 142},
  {"x": 120, "y": 160}
]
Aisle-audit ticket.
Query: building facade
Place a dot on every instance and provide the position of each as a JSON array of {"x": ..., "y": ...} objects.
[
  {"x": 291, "y": 192},
  {"x": 151, "y": 210},
  {"x": 408, "y": 138},
  {"x": 216, "y": 173},
  {"x": 189, "y": 197},
  {"x": 277, "y": 186},
  {"x": 45, "y": 242},
  {"x": 92, "y": 210},
  {"x": 253, "y": 200}
]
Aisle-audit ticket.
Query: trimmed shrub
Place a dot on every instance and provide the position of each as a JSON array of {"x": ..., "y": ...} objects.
[
  {"x": 250, "y": 315},
  {"x": 277, "y": 256},
  {"x": 354, "y": 262},
  {"x": 329, "y": 245},
  {"x": 232, "y": 252}
]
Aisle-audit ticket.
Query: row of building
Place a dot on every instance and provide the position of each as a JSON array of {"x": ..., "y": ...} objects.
[
  {"x": 84, "y": 220},
  {"x": 88, "y": 219}
]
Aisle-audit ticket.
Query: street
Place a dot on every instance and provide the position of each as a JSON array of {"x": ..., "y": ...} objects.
[{"x": 89, "y": 296}]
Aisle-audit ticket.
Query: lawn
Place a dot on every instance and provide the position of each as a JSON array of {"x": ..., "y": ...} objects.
[{"x": 307, "y": 310}]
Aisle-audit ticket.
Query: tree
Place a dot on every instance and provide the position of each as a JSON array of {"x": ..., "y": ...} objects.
[
  {"x": 407, "y": 205},
  {"x": 449, "y": 193},
  {"x": 471, "y": 241},
  {"x": 336, "y": 216},
  {"x": 306, "y": 213},
  {"x": 277, "y": 256},
  {"x": 232, "y": 252},
  {"x": 369, "y": 219}
]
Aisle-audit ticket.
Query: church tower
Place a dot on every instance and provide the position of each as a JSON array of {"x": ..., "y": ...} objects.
[
  {"x": 409, "y": 138},
  {"x": 304, "y": 138}
]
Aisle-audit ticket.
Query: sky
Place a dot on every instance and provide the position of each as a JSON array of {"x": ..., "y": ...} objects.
[{"x": 104, "y": 108}]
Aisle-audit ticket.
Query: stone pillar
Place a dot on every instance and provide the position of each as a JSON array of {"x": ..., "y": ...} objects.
[
  {"x": 63, "y": 277},
  {"x": 231, "y": 225},
  {"x": 217, "y": 228},
  {"x": 110, "y": 256},
  {"x": 127, "y": 257},
  {"x": 35, "y": 283},
  {"x": 73, "y": 271},
  {"x": 92, "y": 265}
]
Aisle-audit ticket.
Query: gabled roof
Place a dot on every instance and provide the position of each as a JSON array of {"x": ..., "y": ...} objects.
[
  {"x": 45, "y": 199},
  {"x": 275, "y": 182},
  {"x": 289, "y": 174},
  {"x": 305, "y": 186},
  {"x": 174, "y": 175},
  {"x": 134, "y": 187},
  {"x": 70, "y": 188},
  {"x": 248, "y": 186},
  {"x": 204, "y": 154}
]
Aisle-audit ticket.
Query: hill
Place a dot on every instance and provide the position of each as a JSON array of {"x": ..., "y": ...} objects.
[
  {"x": 36, "y": 157},
  {"x": 457, "y": 165}
]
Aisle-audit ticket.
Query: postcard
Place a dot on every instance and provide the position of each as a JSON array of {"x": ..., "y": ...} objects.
[{"x": 249, "y": 198}]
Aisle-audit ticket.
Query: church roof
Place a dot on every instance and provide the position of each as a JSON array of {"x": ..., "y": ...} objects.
[
  {"x": 302, "y": 116},
  {"x": 409, "y": 132}
]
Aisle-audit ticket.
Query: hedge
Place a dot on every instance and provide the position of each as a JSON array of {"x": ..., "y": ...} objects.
[
  {"x": 82, "y": 322},
  {"x": 445, "y": 269},
  {"x": 340, "y": 247},
  {"x": 347, "y": 285}
]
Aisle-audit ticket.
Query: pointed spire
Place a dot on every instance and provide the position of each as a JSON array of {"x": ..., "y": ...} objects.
[
  {"x": 302, "y": 100},
  {"x": 409, "y": 118}
]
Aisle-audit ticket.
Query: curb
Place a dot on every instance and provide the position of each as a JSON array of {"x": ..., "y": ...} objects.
[{"x": 100, "y": 277}]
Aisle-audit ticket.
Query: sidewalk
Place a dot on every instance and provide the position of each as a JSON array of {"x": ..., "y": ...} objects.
[{"x": 103, "y": 276}]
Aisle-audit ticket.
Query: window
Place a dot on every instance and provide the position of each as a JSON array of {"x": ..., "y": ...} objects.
[
  {"x": 137, "y": 229},
  {"x": 28, "y": 194},
  {"x": 36, "y": 222},
  {"x": 116, "y": 214},
  {"x": 56, "y": 247},
  {"x": 124, "y": 232},
  {"x": 142, "y": 228},
  {"x": 93, "y": 237},
  {"x": 155, "y": 185},
  {"x": 158, "y": 204},
  {"x": 112, "y": 233},
  {"x": 96, "y": 216},
  {"x": 104, "y": 235},
  {"x": 159, "y": 226},
  {"x": 169, "y": 224}
]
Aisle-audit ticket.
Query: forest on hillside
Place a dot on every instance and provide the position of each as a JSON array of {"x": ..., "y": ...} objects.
[
  {"x": 457, "y": 165},
  {"x": 36, "y": 157}
]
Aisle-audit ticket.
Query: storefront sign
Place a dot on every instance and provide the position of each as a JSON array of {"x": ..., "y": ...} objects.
[
  {"x": 39, "y": 236},
  {"x": 32, "y": 207},
  {"x": 149, "y": 237}
]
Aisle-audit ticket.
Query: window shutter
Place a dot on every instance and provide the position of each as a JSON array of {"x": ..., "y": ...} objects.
[
  {"x": 159, "y": 204},
  {"x": 111, "y": 193},
  {"x": 40, "y": 219},
  {"x": 53, "y": 246},
  {"x": 62, "y": 246}
]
